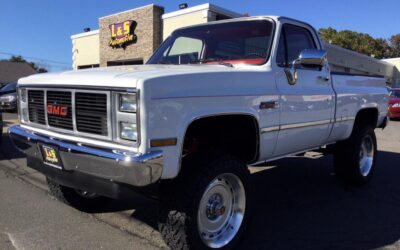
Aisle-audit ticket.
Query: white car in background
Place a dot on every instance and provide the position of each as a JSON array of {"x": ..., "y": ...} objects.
[{"x": 8, "y": 97}]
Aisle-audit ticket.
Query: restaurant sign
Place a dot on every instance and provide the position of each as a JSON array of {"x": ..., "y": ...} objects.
[{"x": 122, "y": 34}]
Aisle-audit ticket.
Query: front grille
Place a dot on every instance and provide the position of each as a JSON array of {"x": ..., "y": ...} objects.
[
  {"x": 91, "y": 113},
  {"x": 60, "y": 99},
  {"x": 36, "y": 106},
  {"x": 89, "y": 117}
]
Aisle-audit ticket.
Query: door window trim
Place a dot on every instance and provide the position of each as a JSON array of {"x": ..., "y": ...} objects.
[{"x": 283, "y": 33}]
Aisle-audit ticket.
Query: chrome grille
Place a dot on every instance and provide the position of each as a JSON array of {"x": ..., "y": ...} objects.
[
  {"x": 91, "y": 113},
  {"x": 36, "y": 106},
  {"x": 87, "y": 111},
  {"x": 60, "y": 98}
]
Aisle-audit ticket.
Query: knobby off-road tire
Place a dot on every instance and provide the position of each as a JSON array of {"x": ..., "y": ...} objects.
[
  {"x": 81, "y": 200},
  {"x": 208, "y": 208},
  {"x": 355, "y": 158}
]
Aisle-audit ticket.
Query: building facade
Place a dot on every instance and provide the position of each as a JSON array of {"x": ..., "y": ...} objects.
[
  {"x": 85, "y": 50},
  {"x": 131, "y": 37},
  {"x": 396, "y": 74}
]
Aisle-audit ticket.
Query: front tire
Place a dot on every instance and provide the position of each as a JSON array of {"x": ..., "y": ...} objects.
[
  {"x": 208, "y": 209},
  {"x": 355, "y": 158},
  {"x": 79, "y": 199}
]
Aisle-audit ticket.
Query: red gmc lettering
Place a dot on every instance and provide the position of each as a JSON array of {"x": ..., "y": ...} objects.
[{"x": 57, "y": 110}]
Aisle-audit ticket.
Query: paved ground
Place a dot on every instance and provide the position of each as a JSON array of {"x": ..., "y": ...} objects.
[{"x": 299, "y": 204}]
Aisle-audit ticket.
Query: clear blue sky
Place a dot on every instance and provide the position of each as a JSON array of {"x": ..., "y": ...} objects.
[{"x": 42, "y": 28}]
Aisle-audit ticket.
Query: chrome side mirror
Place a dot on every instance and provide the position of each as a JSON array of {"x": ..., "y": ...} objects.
[{"x": 309, "y": 58}]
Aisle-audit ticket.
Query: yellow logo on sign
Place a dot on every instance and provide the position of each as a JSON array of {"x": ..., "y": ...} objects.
[
  {"x": 50, "y": 155},
  {"x": 122, "y": 34}
]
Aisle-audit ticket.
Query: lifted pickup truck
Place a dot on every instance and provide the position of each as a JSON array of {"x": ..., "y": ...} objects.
[{"x": 213, "y": 99}]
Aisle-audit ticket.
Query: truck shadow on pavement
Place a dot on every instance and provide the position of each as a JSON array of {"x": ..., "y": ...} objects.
[{"x": 301, "y": 204}]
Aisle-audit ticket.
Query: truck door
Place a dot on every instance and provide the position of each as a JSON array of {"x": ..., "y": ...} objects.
[{"x": 306, "y": 107}]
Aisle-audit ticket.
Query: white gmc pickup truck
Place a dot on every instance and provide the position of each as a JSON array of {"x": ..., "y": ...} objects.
[{"x": 212, "y": 100}]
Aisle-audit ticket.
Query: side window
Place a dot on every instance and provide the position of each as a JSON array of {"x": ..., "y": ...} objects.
[{"x": 296, "y": 40}]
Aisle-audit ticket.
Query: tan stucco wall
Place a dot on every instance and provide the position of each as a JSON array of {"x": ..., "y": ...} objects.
[
  {"x": 172, "y": 23},
  {"x": 396, "y": 73},
  {"x": 396, "y": 62},
  {"x": 85, "y": 50}
]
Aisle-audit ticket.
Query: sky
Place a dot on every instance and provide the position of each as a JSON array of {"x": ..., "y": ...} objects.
[{"x": 40, "y": 30}]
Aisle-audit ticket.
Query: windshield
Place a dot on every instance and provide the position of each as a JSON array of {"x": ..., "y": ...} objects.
[
  {"x": 9, "y": 87},
  {"x": 238, "y": 42},
  {"x": 395, "y": 94}
]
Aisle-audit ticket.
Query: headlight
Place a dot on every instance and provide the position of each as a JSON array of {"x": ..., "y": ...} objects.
[
  {"x": 396, "y": 105},
  {"x": 8, "y": 98},
  {"x": 22, "y": 94},
  {"x": 127, "y": 103},
  {"x": 128, "y": 131}
]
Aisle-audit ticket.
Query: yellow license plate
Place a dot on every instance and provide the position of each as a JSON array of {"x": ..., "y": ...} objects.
[{"x": 50, "y": 156}]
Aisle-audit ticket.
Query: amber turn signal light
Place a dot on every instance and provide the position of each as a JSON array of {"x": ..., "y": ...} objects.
[{"x": 163, "y": 142}]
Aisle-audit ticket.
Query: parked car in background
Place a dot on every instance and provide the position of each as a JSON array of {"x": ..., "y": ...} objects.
[
  {"x": 394, "y": 104},
  {"x": 8, "y": 97}
]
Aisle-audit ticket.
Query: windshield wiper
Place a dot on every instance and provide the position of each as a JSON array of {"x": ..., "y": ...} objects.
[{"x": 218, "y": 60}]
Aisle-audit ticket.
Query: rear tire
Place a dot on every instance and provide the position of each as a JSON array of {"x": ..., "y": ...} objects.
[
  {"x": 355, "y": 158},
  {"x": 79, "y": 199},
  {"x": 207, "y": 209}
]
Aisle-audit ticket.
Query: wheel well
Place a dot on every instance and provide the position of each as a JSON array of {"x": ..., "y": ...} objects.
[
  {"x": 367, "y": 116},
  {"x": 232, "y": 134}
]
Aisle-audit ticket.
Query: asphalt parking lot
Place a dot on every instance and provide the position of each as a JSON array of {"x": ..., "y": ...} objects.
[{"x": 299, "y": 204}]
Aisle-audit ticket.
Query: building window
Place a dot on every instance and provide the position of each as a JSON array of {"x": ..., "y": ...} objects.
[
  {"x": 125, "y": 62},
  {"x": 88, "y": 66},
  {"x": 219, "y": 17}
]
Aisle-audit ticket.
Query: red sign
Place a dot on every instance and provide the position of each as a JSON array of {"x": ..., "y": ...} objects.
[{"x": 57, "y": 110}]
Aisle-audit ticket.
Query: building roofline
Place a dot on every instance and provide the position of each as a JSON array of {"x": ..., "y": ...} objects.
[
  {"x": 206, "y": 6},
  {"x": 138, "y": 8},
  {"x": 84, "y": 34}
]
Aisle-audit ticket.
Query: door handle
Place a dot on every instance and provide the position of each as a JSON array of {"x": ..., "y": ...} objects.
[{"x": 269, "y": 105}]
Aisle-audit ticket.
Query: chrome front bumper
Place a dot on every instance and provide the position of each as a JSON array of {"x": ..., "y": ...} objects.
[{"x": 115, "y": 166}]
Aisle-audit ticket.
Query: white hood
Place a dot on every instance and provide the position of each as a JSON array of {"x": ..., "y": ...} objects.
[{"x": 123, "y": 76}]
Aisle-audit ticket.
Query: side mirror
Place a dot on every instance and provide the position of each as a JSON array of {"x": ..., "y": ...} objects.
[
  {"x": 308, "y": 58},
  {"x": 312, "y": 58}
]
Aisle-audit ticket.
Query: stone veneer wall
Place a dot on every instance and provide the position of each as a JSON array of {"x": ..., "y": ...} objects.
[{"x": 148, "y": 32}]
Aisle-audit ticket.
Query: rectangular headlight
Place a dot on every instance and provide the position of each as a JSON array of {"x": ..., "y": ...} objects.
[
  {"x": 24, "y": 115},
  {"x": 22, "y": 94},
  {"x": 127, "y": 103},
  {"x": 128, "y": 131}
]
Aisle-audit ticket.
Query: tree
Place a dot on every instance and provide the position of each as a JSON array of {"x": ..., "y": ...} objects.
[
  {"x": 395, "y": 45},
  {"x": 20, "y": 59},
  {"x": 362, "y": 42}
]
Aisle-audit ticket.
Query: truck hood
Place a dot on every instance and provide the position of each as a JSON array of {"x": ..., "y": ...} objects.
[{"x": 122, "y": 76}]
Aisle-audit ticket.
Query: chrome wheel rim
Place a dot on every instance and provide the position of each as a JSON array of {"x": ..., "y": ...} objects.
[
  {"x": 366, "y": 155},
  {"x": 221, "y": 210}
]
